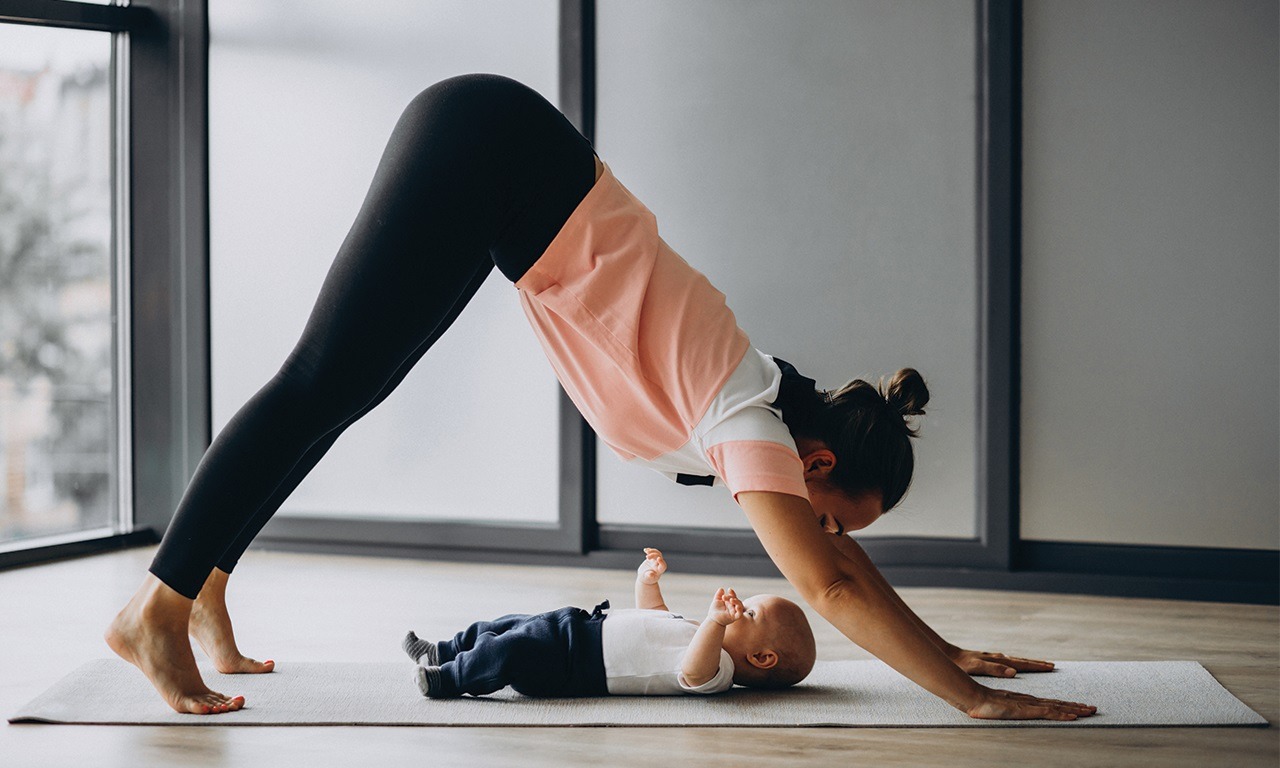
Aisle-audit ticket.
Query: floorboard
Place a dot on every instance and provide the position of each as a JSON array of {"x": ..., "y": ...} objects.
[{"x": 317, "y": 607}]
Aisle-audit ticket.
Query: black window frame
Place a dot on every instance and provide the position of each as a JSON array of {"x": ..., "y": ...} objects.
[
  {"x": 165, "y": 194},
  {"x": 168, "y": 146}
]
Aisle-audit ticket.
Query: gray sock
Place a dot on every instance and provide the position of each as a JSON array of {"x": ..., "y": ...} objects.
[
  {"x": 421, "y": 651},
  {"x": 428, "y": 679}
]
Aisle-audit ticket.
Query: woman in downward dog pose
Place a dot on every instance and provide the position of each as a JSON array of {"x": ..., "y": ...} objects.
[{"x": 482, "y": 171}]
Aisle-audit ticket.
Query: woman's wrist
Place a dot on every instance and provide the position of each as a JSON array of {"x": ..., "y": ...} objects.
[{"x": 970, "y": 698}]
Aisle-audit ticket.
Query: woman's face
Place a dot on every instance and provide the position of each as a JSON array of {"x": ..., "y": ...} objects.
[{"x": 838, "y": 514}]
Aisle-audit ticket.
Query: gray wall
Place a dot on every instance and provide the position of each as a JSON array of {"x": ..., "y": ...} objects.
[
  {"x": 302, "y": 98},
  {"x": 817, "y": 162},
  {"x": 1150, "y": 273}
]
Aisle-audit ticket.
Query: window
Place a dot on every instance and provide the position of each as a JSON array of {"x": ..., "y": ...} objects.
[{"x": 60, "y": 287}]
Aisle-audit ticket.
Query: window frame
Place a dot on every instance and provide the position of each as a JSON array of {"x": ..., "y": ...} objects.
[
  {"x": 160, "y": 289},
  {"x": 165, "y": 118}
]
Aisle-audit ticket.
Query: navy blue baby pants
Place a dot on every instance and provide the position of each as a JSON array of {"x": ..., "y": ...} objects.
[{"x": 558, "y": 653}]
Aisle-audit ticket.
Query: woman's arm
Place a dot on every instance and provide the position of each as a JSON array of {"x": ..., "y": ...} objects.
[
  {"x": 854, "y": 551},
  {"x": 972, "y": 662},
  {"x": 846, "y": 592}
]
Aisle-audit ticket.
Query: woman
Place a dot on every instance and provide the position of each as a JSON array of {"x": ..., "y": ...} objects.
[{"x": 479, "y": 171}]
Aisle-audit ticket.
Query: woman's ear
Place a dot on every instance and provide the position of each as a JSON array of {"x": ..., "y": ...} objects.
[
  {"x": 763, "y": 659},
  {"x": 818, "y": 463}
]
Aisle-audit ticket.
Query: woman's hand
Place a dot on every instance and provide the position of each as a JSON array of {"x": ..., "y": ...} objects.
[
  {"x": 1007, "y": 705},
  {"x": 652, "y": 568},
  {"x": 726, "y": 608},
  {"x": 986, "y": 663}
]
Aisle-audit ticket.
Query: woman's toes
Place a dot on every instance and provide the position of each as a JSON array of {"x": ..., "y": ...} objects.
[
  {"x": 257, "y": 667},
  {"x": 216, "y": 704}
]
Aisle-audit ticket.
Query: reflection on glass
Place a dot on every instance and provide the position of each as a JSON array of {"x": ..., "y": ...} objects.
[{"x": 57, "y": 399}]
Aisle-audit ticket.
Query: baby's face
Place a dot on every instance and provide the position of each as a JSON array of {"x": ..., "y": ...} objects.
[
  {"x": 773, "y": 634},
  {"x": 758, "y": 629}
]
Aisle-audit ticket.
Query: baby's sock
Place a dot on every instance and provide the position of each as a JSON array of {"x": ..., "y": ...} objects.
[
  {"x": 423, "y": 652},
  {"x": 428, "y": 679}
]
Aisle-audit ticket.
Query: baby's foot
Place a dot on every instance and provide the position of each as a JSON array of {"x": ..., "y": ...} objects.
[
  {"x": 423, "y": 652},
  {"x": 428, "y": 679}
]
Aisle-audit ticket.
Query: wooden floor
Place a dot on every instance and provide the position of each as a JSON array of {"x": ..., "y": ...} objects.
[{"x": 295, "y": 607}]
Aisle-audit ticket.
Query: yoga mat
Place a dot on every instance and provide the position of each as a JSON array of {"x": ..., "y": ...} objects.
[{"x": 837, "y": 693}]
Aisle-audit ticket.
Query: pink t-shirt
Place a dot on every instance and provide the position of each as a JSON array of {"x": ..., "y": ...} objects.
[{"x": 650, "y": 353}]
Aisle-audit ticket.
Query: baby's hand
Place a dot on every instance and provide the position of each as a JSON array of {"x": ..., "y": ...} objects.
[
  {"x": 726, "y": 608},
  {"x": 652, "y": 568}
]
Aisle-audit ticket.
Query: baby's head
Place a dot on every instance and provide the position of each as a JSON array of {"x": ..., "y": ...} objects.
[{"x": 771, "y": 645}]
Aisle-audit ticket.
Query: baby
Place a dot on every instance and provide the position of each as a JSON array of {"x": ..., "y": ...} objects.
[{"x": 763, "y": 642}]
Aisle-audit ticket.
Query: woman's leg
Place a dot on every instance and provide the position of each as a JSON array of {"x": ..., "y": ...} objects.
[
  {"x": 479, "y": 170},
  {"x": 210, "y": 623}
]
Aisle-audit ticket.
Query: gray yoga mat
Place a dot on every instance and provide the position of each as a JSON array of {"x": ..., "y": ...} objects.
[{"x": 837, "y": 693}]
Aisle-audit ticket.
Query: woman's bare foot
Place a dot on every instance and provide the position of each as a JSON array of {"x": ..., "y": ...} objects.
[
  {"x": 210, "y": 625},
  {"x": 151, "y": 634}
]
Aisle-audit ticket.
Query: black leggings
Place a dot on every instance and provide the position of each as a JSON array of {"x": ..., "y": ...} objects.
[{"x": 480, "y": 170}]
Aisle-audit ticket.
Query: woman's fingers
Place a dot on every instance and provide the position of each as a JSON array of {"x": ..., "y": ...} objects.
[
  {"x": 1010, "y": 705},
  {"x": 1026, "y": 665},
  {"x": 1029, "y": 697},
  {"x": 1019, "y": 663},
  {"x": 1052, "y": 702},
  {"x": 998, "y": 664}
]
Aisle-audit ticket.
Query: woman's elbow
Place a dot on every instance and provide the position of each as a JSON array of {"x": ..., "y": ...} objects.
[{"x": 832, "y": 595}]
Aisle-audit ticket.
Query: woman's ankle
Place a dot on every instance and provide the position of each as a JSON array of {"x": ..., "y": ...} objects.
[{"x": 158, "y": 601}]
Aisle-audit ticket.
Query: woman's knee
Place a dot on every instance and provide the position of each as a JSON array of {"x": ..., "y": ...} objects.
[{"x": 324, "y": 392}]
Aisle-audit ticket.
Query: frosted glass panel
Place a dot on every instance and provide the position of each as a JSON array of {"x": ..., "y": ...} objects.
[
  {"x": 303, "y": 96},
  {"x": 1151, "y": 281},
  {"x": 59, "y": 467},
  {"x": 817, "y": 162}
]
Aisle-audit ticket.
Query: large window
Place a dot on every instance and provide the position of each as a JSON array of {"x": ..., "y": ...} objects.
[
  {"x": 299, "y": 115},
  {"x": 60, "y": 287},
  {"x": 817, "y": 163}
]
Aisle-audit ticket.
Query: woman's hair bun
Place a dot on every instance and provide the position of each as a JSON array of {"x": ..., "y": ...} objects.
[{"x": 906, "y": 392}]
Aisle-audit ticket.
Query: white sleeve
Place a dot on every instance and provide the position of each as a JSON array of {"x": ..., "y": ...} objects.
[{"x": 723, "y": 680}]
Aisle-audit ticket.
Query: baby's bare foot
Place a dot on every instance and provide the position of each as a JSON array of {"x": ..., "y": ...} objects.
[{"x": 150, "y": 633}]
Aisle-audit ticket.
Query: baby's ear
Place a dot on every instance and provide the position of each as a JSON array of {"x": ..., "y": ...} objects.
[{"x": 763, "y": 659}]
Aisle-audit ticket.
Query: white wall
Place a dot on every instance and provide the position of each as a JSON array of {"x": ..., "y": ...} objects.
[
  {"x": 303, "y": 96},
  {"x": 1151, "y": 273},
  {"x": 817, "y": 162}
]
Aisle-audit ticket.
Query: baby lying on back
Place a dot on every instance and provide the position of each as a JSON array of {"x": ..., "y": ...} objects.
[{"x": 763, "y": 642}]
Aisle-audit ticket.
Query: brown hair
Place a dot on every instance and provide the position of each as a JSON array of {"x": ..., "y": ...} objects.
[{"x": 866, "y": 427}]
